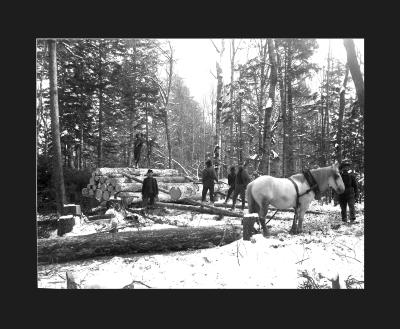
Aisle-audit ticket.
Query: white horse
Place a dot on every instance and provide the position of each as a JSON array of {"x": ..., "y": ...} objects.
[{"x": 282, "y": 193}]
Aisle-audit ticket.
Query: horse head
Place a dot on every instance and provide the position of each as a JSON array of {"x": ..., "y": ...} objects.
[{"x": 335, "y": 180}]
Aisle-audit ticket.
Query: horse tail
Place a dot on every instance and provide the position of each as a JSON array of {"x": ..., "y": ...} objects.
[{"x": 253, "y": 205}]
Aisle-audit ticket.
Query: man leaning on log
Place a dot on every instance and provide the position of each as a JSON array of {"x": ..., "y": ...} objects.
[{"x": 149, "y": 190}]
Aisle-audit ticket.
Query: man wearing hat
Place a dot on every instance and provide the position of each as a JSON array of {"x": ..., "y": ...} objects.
[
  {"x": 149, "y": 189},
  {"x": 208, "y": 178},
  {"x": 350, "y": 193}
]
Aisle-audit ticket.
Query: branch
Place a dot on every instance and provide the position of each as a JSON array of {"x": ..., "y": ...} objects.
[
  {"x": 69, "y": 49},
  {"x": 160, "y": 153},
  {"x": 218, "y": 51}
]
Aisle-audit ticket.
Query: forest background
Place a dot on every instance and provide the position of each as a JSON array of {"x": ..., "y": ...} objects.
[{"x": 267, "y": 109}]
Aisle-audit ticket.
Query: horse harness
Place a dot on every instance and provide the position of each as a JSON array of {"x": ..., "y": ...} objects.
[
  {"x": 313, "y": 187},
  {"x": 311, "y": 182}
]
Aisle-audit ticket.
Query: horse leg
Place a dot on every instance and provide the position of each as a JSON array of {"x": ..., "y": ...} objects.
[
  {"x": 294, "y": 229},
  {"x": 302, "y": 212},
  {"x": 262, "y": 215}
]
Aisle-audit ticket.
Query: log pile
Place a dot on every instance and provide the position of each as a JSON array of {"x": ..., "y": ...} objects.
[{"x": 126, "y": 184}]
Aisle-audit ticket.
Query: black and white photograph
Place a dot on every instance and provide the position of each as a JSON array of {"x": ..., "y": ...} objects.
[{"x": 203, "y": 163}]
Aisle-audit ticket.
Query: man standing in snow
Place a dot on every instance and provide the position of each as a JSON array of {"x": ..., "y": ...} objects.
[
  {"x": 149, "y": 189},
  {"x": 241, "y": 182},
  {"x": 208, "y": 178},
  {"x": 350, "y": 193},
  {"x": 231, "y": 183}
]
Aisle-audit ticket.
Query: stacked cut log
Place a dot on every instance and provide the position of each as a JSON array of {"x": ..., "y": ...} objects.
[{"x": 126, "y": 183}]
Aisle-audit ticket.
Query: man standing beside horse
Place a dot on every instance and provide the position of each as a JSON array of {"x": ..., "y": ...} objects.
[
  {"x": 350, "y": 193},
  {"x": 241, "y": 181}
]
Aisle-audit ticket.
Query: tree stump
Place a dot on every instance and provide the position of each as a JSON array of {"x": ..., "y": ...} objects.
[
  {"x": 248, "y": 225},
  {"x": 72, "y": 209},
  {"x": 65, "y": 224}
]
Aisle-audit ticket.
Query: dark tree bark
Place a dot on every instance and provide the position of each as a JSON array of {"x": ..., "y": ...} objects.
[
  {"x": 355, "y": 71},
  {"x": 55, "y": 129},
  {"x": 108, "y": 244}
]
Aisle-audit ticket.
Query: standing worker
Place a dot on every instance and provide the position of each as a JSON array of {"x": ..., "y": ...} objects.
[
  {"x": 208, "y": 178},
  {"x": 149, "y": 190},
  {"x": 241, "y": 181},
  {"x": 138, "y": 148},
  {"x": 350, "y": 193},
  {"x": 231, "y": 183}
]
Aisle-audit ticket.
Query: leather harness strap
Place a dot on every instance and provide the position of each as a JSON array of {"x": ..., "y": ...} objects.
[
  {"x": 297, "y": 192},
  {"x": 311, "y": 182}
]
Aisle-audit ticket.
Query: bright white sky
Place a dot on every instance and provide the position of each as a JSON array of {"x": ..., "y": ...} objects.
[{"x": 196, "y": 58}]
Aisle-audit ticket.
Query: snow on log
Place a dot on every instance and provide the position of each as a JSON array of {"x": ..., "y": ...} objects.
[
  {"x": 181, "y": 192},
  {"x": 56, "y": 250}
]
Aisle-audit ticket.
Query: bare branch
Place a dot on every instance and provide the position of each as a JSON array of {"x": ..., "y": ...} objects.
[
  {"x": 216, "y": 48},
  {"x": 70, "y": 51}
]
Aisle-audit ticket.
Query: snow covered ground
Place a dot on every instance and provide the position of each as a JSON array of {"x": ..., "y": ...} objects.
[{"x": 326, "y": 248}]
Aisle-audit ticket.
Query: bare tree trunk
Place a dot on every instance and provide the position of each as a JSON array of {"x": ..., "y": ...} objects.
[
  {"x": 290, "y": 141},
  {"x": 327, "y": 137},
  {"x": 147, "y": 137},
  {"x": 282, "y": 93},
  {"x": 268, "y": 111},
  {"x": 340, "y": 119},
  {"x": 355, "y": 71},
  {"x": 55, "y": 125},
  {"x": 217, "y": 140},
  {"x": 100, "y": 95}
]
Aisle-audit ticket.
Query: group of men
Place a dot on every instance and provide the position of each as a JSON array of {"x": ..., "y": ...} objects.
[{"x": 237, "y": 181}]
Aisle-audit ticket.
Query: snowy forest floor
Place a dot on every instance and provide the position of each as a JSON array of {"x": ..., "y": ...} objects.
[{"x": 308, "y": 260}]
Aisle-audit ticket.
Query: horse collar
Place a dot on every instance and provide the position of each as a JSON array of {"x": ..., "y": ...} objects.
[{"x": 312, "y": 182}]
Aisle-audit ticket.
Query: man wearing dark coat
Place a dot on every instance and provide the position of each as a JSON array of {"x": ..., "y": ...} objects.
[
  {"x": 149, "y": 189},
  {"x": 241, "y": 182},
  {"x": 208, "y": 178},
  {"x": 231, "y": 183},
  {"x": 350, "y": 193}
]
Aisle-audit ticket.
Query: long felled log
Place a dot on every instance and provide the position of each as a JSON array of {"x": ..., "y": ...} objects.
[
  {"x": 136, "y": 172},
  {"x": 108, "y": 244},
  {"x": 200, "y": 209}
]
